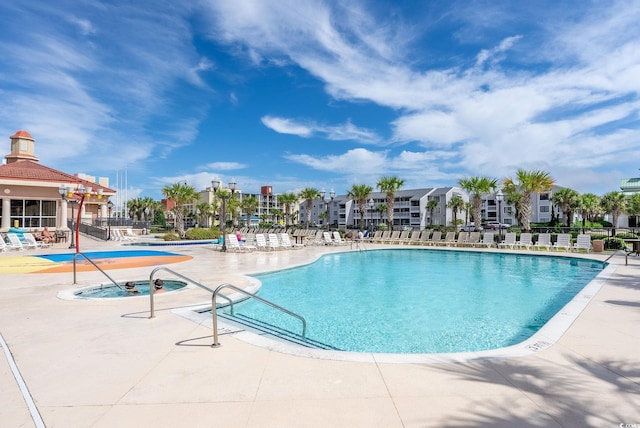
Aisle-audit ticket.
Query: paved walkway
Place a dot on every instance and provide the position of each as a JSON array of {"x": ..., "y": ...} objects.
[{"x": 106, "y": 364}]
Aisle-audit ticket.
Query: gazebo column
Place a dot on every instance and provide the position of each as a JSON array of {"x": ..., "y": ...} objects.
[
  {"x": 62, "y": 223},
  {"x": 6, "y": 214}
]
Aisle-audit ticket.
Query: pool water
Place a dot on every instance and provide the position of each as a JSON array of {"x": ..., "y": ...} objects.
[
  {"x": 110, "y": 290},
  {"x": 421, "y": 301}
]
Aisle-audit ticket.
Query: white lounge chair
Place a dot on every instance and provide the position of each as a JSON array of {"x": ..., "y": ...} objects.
[
  {"x": 261, "y": 242},
  {"x": 337, "y": 239},
  {"x": 449, "y": 238},
  {"x": 462, "y": 239},
  {"x": 14, "y": 242},
  {"x": 583, "y": 242},
  {"x": 435, "y": 238},
  {"x": 285, "y": 241},
  {"x": 563, "y": 242},
  {"x": 3, "y": 245},
  {"x": 544, "y": 241},
  {"x": 273, "y": 242},
  {"x": 509, "y": 240},
  {"x": 473, "y": 239},
  {"x": 488, "y": 240},
  {"x": 31, "y": 242},
  {"x": 524, "y": 241},
  {"x": 234, "y": 245},
  {"x": 414, "y": 238},
  {"x": 129, "y": 234}
]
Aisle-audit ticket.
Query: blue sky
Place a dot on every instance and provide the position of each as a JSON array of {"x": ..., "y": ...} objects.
[{"x": 325, "y": 94}]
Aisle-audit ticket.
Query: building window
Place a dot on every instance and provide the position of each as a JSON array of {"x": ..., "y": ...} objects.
[
  {"x": 544, "y": 209},
  {"x": 33, "y": 213},
  {"x": 544, "y": 196}
]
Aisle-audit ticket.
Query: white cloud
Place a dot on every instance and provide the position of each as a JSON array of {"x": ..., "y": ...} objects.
[
  {"x": 225, "y": 166},
  {"x": 347, "y": 131},
  {"x": 286, "y": 126}
]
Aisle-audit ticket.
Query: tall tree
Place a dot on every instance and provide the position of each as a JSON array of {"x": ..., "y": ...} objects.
[
  {"x": 286, "y": 200},
  {"x": 633, "y": 206},
  {"x": 204, "y": 213},
  {"x": 526, "y": 184},
  {"x": 431, "y": 206},
  {"x": 568, "y": 200},
  {"x": 468, "y": 212},
  {"x": 456, "y": 203},
  {"x": 389, "y": 186},
  {"x": 614, "y": 203},
  {"x": 308, "y": 195},
  {"x": 181, "y": 195},
  {"x": 360, "y": 193},
  {"x": 476, "y": 187},
  {"x": 249, "y": 205},
  {"x": 589, "y": 207}
]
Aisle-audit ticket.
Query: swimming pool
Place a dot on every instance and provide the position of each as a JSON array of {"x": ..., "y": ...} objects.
[{"x": 421, "y": 300}]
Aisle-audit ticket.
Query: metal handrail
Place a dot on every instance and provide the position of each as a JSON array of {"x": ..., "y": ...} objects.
[
  {"x": 214, "y": 314},
  {"x": 152, "y": 288},
  {"x": 214, "y": 294},
  {"x": 75, "y": 256}
]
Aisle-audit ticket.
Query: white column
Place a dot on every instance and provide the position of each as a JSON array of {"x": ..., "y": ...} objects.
[
  {"x": 103, "y": 211},
  {"x": 62, "y": 217},
  {"x": 6, "y": 214}
]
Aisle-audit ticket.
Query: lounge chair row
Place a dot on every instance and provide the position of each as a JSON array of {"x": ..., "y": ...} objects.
[
  {"x": 260, "y": 241},
  {"x": 473, "y": 239},
  {"x": 13, "y": 242}
]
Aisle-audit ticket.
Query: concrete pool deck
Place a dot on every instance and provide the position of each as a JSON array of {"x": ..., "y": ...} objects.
[{"x": 104, "y": 363}]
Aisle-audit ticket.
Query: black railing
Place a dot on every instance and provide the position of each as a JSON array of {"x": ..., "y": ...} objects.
[
  {"x": 121, "y": 222},
  {"x": 91, "y": 230}
]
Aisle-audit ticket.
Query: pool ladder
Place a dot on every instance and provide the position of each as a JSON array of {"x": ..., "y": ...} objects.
[{"x": 214, "y": 294}]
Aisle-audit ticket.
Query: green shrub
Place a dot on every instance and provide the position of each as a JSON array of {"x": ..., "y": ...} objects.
[
  {"x": 614, "y": 244},
  {"x": 171, "y": 236},
  {"x": 626, "y": 236},
  {"x": 598, "y": 236},
  {"x": 197, "y": 234}
]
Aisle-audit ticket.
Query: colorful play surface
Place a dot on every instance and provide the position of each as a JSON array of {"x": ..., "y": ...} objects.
[{"x": 106, "y": 260}]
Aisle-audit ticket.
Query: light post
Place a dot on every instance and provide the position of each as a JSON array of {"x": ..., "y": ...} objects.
[
  {"x": 109, "y": 208},
  {"x": 499, "y": 198},
  {"x": 69, "y": 196},
  {"x": 217, "y": 184},
  {"x": 332, "y": 195},
  {"x": 370, "y": 204}
]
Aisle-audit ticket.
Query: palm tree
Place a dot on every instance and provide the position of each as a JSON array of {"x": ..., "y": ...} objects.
[
  {"x": 633, "y": 205},
  {"x": 456, "y": 203},
  {"x": 528, "y": 183},
  {"x": 249, "y": 206},
  {"x": 468, "y": 210},
  {"x": 135, "y": 208},
  {"x": 380, "y": 209},
  {"x": 233, "y": 208},
  {"x": 614, "y": 203},
  {"x": 389, "y": 186},
  {"x": 360, "y": 193},
  {"x": 476, "y": 187},
  {"x": 204, "y": 213},
  {"x": 308, "y": 195},
  {"x": 568, "y": 200},
  {"x": 589, "y": 207},
  {"x": 276, "y": 213},
  {"x": 287, "y": 200},
  {"x": 431, "y": 206},
  {"x": 181, "y": 195}
]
